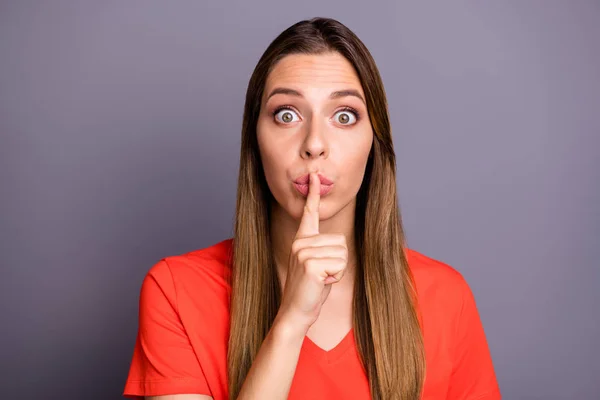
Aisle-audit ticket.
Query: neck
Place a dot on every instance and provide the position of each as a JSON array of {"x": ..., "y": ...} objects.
[{"x": 283, "y": 229}]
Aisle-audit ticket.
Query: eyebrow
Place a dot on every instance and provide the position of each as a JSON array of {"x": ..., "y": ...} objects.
[{"x": 334, "y": 95}]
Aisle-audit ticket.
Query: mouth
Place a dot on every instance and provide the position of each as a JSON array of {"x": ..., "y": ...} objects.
[
  {"x": 304, "y": 180},
  {"x": 301, "y": 183}
]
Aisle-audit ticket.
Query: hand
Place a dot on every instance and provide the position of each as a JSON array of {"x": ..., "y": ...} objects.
[{"x": 316, "y": 262}]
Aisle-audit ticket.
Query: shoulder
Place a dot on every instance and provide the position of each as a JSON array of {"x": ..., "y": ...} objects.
[
  {"x": 212, "y": 261},
  {"x": 456, "y": 350},
  {"x": 194, "y": 275},
  {"x": 429, "y": 272},
  {"x": 183, "y": 325},
  {"x": 440, "y": 287}
]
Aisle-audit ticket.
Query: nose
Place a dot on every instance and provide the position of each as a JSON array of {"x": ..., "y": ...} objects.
[{"x": 315, "y": 144}]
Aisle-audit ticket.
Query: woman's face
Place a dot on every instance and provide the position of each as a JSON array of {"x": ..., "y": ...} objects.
[{"x": 305, "y": 126}]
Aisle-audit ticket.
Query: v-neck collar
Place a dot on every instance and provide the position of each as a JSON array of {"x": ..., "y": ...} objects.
[{"x": 332, "y": 355}]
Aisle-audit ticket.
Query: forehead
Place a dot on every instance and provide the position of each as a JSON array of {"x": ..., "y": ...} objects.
[{"x": 309, "y": 72}]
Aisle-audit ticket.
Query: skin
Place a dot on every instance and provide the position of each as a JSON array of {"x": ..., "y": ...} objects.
[{"x": 317, "y": 137}]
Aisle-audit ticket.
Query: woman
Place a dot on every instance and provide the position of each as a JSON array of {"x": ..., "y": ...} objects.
[{"x": 316, "y": 296}]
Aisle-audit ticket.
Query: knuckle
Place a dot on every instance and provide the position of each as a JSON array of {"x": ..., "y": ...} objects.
[
  {"x": 342, "y": 250},
  {"x": 309, "y": 264},
  {"x": 301, "y": 254},
  {"x": 296, "y": 246}
]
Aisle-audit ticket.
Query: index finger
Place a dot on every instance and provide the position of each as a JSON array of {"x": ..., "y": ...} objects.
[{"x": 309, "y": 224}]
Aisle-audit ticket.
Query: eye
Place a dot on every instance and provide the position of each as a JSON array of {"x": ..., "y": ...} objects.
[
  {"x": 346, "y": 115},
  {"x": 287, "y": 115}
]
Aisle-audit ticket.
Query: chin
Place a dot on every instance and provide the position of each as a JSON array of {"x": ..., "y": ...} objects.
[{"x": 327, "y": 210}]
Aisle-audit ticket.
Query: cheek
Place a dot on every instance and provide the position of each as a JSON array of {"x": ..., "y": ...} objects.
[
  {"x": 273, "y": 162},
  {"x": 272, "y": 158},
  {"x": 355, "y": 162}
]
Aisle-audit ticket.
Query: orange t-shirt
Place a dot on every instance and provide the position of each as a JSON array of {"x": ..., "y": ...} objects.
[{"x": 181, "y": 344}]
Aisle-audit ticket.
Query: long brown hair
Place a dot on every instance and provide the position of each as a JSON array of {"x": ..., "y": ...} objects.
[{"x": 385, "y": 318}]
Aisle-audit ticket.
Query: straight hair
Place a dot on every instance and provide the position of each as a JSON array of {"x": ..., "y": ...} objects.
[{"x": 386, "y": 322}]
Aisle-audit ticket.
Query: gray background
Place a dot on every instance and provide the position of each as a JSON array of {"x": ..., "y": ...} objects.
[{"x": 120, "y": 133}]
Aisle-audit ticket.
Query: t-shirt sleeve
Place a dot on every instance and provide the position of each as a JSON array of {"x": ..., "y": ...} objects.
[
  {"x": 164, "y": 361},
  {"x": 473, "y": 376}
]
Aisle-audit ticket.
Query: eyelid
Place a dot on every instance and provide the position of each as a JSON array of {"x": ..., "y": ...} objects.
[
  {"x": 285, "y": 107},
  {"x": 350, "y": 109}
]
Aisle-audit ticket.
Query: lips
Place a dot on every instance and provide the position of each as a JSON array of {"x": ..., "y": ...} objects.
[
  {"x": 302, "y": 182},
  {"x": 303, "y": 189},
  {"x": 305, "y": 179}
]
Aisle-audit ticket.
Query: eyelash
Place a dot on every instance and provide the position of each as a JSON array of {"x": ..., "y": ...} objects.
[{"x": 345, "y": 108}]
